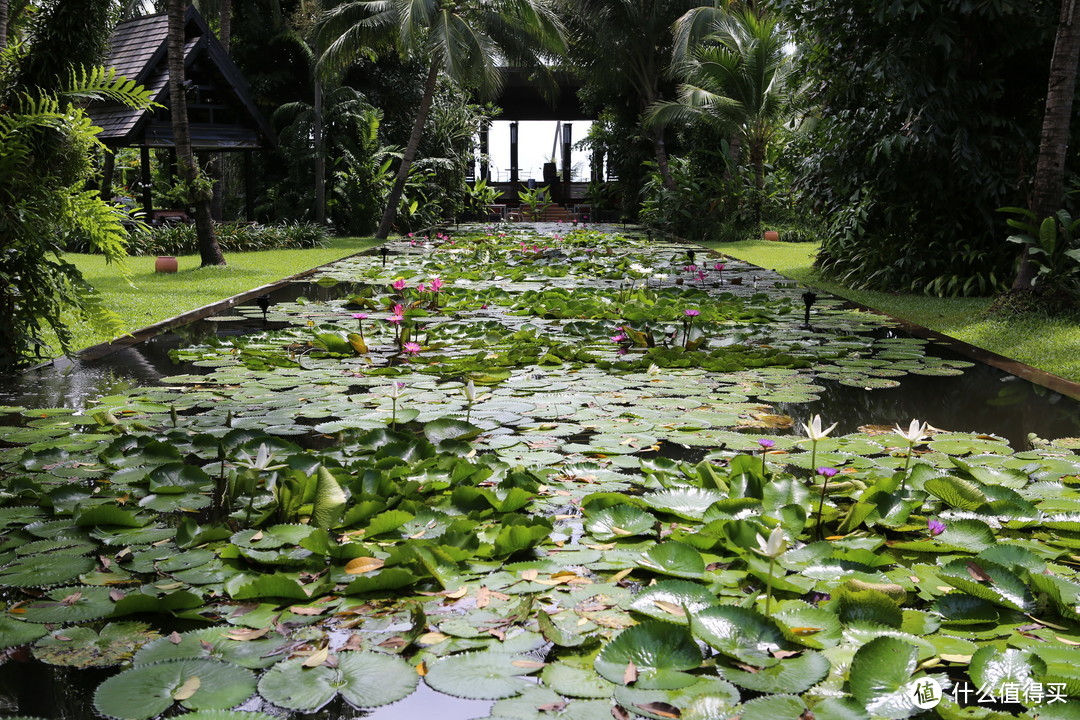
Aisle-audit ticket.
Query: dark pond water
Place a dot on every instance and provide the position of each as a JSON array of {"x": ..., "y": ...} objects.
[{"x": 983, "y": 399}]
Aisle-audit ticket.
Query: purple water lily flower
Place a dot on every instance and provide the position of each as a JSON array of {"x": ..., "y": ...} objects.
[{"x": 936, "y": 527}]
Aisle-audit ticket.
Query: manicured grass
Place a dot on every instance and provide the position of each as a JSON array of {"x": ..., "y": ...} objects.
[
  {"x": 153, "y": 297},
  {"x": 1048, "y": 343}
]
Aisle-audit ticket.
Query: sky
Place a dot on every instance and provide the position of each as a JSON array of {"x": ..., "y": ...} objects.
[{"x": 534, "y": 149}]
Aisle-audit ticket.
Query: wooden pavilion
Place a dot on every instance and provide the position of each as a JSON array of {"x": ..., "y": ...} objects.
[{"x": 222, "y": 114}]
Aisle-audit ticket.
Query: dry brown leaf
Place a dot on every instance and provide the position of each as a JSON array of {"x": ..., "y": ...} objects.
[
  {"x": 977, "y": 573},
  {"x": 961, "y": 659},
  {"x": 432, "y": 638},
  {"x": 619, "y": 713},
  {"x": 317, "y": 658},
  {"x": 174, "y": 638},
  {"x": 671, "y": 608},
  {"x": 483, "y": 597},
  {"x": 552, "y": 707},
  {"x": 661, "y": 709},
  {"x": 1067, "y": 641},
  {"x": 629, "y": 676},
  {"x": 355, "y": 642},
  {"x": 187, "y": 689},
  {"x": 306, "y": 610},
  {"x": 360, "y": 565},
  {"x": 421, "y": 669},
  {"x": 244, "y": 634},
  {"x": 116, "y": 595},
  {"x": 529, "y": 664},
  {"x": 617, "y": 577}
]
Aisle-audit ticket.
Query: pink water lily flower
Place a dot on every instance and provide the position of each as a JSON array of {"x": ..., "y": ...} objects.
[
  {"x": 399, "y": 309},
  {"x": 422, "y": 287},
  {"x": 436, "y": 284},
  {"x": 399, "y": 284},
  {"x": 411, "y": 348},
  {"x": 360, "y": 316},
  {"x": 692, "y": 312}
]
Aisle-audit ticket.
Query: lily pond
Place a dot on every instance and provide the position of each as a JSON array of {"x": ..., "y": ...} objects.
[{"x": 513, "y": 475}]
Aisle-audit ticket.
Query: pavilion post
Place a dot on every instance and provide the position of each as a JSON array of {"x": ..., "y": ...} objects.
[
  {"x": 249, "y": 186},
  {"x": 147, "y": 190},
  {"x": 485, "y": 140},
  {"x": 567, "y": 140},
  {"x": 108, "y": 165}
]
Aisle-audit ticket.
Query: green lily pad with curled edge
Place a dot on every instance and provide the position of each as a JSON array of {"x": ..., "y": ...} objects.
[
  {"x": 807, "y": 625},
  {"x": 212, "y": 644},
  {"x": 989, "y": 581},
  {"x": 70, "y": 604},
  {"x": 42, "y": 570},
  {"x": 794, "y": 674},
  {"x": 688, "y": 503},
  {"x": 527, "y": 706},
  {"x": 148, "y": 690},
  {"x": 84, "y": 647},
  {"x": 660, "y": 704},
  {"x": 576, "y": 682},
  {"x": 364, "y": 679},
  {"x": 483, "y": 675},
  {"x": 673, "y": 601},
  {"x": 992, "y": 668},
  {"x": 16, "y": 632},
  {"x": 740, "y": 633},
  {"x": 619, "y": 521},
  {"x": 659, "y": 652},
  {"x": 879, "y": 675},
  {"x": 673, "y": 558}
]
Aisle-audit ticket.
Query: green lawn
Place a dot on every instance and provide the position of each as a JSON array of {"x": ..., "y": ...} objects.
[
  {"x": 153, "y": 297},
  {"x": 1043, "y": 342}
]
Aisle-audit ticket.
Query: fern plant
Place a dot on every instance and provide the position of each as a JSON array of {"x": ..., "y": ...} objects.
[{"x": 46, "y": 144}]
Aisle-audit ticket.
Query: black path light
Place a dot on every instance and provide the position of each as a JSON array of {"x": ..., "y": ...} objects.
[
  {"x": 809, "y": 298},
  {"x": 384, "y": 251},
  {"x": 263, "y": 301}
]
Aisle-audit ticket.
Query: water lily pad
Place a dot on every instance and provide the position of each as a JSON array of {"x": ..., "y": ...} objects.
[
  {"x": 793, "y": 674},
  {"x": 69, "y": 605},
  {"x": 83, "y": 647},
  {"x": 673, "y": 601},
  {"x": 364, "y": 679},
  {"x": 658, "y": 652},
  {"x": 576, "y": 682},
  {"x": 485, "y": 675},
  {"x": 689, "y": 503},
  {"x": 618, "y": 522},
  {"x": 42, "y": 570},
  {"x": 740, "y": 633},
  {"x": 148, "y": 690}
]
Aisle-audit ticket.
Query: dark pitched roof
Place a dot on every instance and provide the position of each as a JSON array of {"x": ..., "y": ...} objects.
[{"x": 138, "y": 50}]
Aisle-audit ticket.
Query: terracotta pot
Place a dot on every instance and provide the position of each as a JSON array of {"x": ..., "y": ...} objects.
[
  {"x": 165, "y": 264},
  {"x": 772, "y": 235}
]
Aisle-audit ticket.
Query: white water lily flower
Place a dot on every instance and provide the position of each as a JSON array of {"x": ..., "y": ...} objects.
[
  {"x": 916, "y": 432},
  {"x": 814, "y": 431},
  {"x": 775, "y": 546},
  {"x": 660, "y": 276},
  {"x": 469, "y": 391},
  {"x": 654, "y": 369}
]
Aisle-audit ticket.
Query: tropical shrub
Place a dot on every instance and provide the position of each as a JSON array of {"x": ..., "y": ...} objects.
[
  {"x": 179, "y": 239},
  {"x": 46, "y": 142},
  {"x": 910, "y": 147}
]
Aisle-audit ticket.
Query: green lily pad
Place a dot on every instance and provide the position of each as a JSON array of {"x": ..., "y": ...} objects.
[
  {"x": 658, "y": 651},
  {"x": 43, "y": 570},
  {"x": 148, "y": 690},
  {"x": 673, "y": 601},
  {"x": 740, "y": 633},
  {"x": 793, "y": 674},
  {"x": 485, "y": 675},
  {"x": 879, "y": 677},
  {"x": 364, "y": 679},
  {"x": 83, "y": 647},
  {"x": 222, "y": 644}
]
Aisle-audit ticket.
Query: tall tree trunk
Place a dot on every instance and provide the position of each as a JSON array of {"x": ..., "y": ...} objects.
[
  {"x": 3, "y": 23},
  {"x": 410, "y": 153},
  {"x": 320, "y": 156},
  {"x": 1049, "y": 187},
  {"x": 199, "y": 192},
  {"x": 216, "y": 168},
  {"x": 660, "y": 150},
  {"x": 656, "y": 134}
]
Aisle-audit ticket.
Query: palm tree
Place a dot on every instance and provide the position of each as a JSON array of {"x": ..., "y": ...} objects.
[
  {"x": 1049, "y": 186},
  {"x": 624, "y": 47},
  {"x": 199, "y": 189},
  {"x": 736, "y": 77},
  {"x": 465, "y": 39}
]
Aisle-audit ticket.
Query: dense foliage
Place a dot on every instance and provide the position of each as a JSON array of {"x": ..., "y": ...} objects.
[
  {"x": 180, "y": 239},
  {"x": 46, "y": 146},
  {"x": 924, "y": 121}
]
